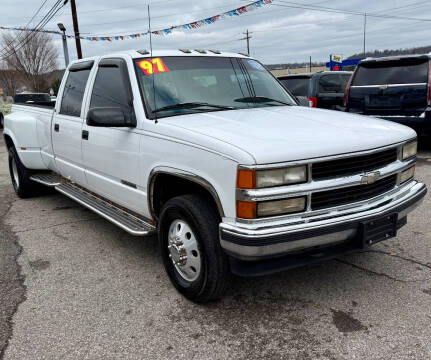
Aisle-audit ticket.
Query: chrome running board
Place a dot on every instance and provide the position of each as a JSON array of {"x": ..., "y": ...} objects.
[
  {"x": 47, "y": 179},
  {"x": 133, "y": 224}
]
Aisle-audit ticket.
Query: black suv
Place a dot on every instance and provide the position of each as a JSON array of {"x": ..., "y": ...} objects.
[
  {"x": 395, "y": 88},
  {"x": 323, "y": 89}
]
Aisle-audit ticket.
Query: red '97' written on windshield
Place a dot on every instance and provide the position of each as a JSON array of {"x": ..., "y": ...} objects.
[{"x": 153, "y": 66}]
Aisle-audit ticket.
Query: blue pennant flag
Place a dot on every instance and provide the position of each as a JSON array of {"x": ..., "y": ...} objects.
[{"x": 233, "y": 13}]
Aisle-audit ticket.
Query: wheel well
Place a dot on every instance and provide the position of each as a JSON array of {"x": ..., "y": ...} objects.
[
  {"x": 166, "y": 186},
  {"x": 8, "y": 141}
]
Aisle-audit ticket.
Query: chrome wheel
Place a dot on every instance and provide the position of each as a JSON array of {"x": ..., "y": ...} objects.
[
  {"x": 15, "y": 173},
  {"x": 184, "y": 250}
]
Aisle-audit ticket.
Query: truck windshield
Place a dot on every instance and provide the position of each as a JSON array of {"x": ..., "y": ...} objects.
[{"x": 177, "y": 85}]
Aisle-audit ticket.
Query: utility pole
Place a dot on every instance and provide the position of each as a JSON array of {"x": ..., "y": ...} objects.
[
  {"x": 65, "y": 50},
  {"x": 247, "y": 37},
  {"x": 310, "y": 63},
  {"x": 76, "y": 29},
  {"x": 365, "y": 27}
]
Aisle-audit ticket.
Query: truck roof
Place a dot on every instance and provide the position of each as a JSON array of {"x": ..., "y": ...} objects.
[
  {"x": 173, "y": 52},
  {"x": 396, "y": 57}
]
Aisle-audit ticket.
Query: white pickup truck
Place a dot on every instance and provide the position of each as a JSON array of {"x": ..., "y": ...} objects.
[{"x": 210, "y": 151}]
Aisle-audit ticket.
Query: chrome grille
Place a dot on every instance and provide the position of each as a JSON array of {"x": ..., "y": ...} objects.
[
  {"x": 352, "y": 194},
  {"x": 353, "y": 165}
]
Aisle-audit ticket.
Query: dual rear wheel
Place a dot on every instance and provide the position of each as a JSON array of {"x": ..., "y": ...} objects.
[{"x": 20, "y": 176}]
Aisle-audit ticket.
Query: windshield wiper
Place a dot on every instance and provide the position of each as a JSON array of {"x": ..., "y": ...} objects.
[
  {"x": 258, "y": 99},
  {"x": 192, "y": 105}
]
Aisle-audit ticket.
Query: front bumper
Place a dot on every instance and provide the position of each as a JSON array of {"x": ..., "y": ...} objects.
[{"x": 248, "y": 243}]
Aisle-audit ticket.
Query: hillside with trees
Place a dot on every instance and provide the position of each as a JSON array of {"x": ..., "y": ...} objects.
[{"x": 375, "y": 53}]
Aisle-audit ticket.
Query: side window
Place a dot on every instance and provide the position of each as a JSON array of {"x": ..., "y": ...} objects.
[
  {"x": 109, "y": 89},
  {"x": 73, "y": 93}
]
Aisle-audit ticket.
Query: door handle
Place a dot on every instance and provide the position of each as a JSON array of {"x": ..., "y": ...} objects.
[
  {"x": 85, "y": 134},
  {"x": 56, "y": 127}
]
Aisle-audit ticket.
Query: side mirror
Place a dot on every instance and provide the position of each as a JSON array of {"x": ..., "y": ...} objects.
[{"x": 110, "y": 117}]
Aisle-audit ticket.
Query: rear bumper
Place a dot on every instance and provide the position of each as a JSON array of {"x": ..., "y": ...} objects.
[{"x": 267, "y": 249}]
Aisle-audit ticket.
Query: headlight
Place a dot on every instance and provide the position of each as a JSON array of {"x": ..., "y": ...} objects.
[
  {"x": 278, "y": 177},
  {"x": 280, "y": 207},
  {"x": 407, "y": 174},
  {"x": 410, "y": 149}
]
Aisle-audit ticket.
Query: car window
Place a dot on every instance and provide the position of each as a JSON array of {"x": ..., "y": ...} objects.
[
  {"x": 218, "y": 81},
  {"x": 330, "y": 83},
  {"x": 296, "y": 85},
  {"x": 73, "y": 93},
  {"x": 108, "y": 89},
  {"x": 391, "y": 72}
]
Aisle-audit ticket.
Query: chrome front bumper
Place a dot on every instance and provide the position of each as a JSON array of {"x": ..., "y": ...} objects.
[{"x": 275, "y": 238}]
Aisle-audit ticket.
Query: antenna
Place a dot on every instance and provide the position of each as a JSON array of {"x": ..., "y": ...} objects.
[{"x": 151, "y": 55}]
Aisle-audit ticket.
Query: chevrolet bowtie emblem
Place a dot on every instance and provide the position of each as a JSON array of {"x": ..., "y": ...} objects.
[{"x": 370, "y": 178}]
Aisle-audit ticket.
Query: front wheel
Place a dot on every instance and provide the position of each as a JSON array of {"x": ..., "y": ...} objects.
[{"x": 190, "y": 248}]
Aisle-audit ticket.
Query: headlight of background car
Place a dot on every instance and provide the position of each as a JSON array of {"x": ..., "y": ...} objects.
[
  {"x": 410, "y": 149},
  {"x": 278, "y": 177}
]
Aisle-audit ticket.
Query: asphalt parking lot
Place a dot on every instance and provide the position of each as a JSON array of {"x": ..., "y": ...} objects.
[{"x": 73, "y": 286}]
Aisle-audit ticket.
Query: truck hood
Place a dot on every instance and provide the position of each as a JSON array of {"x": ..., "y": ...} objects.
[{"x": 288, "y": 133}]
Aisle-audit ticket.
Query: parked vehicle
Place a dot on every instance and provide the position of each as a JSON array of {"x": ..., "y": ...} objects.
[
  {"x": 209, "y": 150},
  {"x": 43, "y": 99},
  {"x": 395, "y": 88},
  {"x": 322, "y": 89}
]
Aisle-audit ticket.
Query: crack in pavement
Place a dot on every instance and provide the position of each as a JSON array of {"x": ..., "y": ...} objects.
[
  {"x": 12, "y": 286},
  {"x": 416, "y": 262},
  {"x": 376, "y": 273}
]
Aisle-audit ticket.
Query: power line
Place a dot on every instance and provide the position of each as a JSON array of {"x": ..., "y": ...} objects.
[
  {"x": 32, "y": 33},
  {"x": 339, "y": 11},
  {"x": 402, "y": 7},
  {"x": 35, "y": 14}
]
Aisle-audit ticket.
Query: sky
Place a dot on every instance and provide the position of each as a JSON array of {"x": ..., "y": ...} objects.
[{"x": 279, "y": 33}]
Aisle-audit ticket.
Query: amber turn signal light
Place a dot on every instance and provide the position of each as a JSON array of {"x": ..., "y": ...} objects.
[
  {"x": 246, "y": 209},
  {"x": 246, "y": 179}
]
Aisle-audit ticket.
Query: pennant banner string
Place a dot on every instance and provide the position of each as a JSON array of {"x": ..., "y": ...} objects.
[{"x": 189, "y": 26}]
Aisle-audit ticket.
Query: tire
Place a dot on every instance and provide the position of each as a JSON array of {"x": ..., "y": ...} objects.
[
  {"x": 1, "y": 121},
  {"x": 193, "y": 222},
  {"x": 20, "y": 176}
]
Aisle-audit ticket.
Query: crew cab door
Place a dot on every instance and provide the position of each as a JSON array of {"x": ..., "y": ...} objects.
[
  {"x": 111, "y": 153},
  {"x": 67, "y": 123}
]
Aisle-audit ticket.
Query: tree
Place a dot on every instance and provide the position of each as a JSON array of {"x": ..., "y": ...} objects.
[
  {"x": 9, "y": 79},
  {"x": 31, "y": 55}
]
